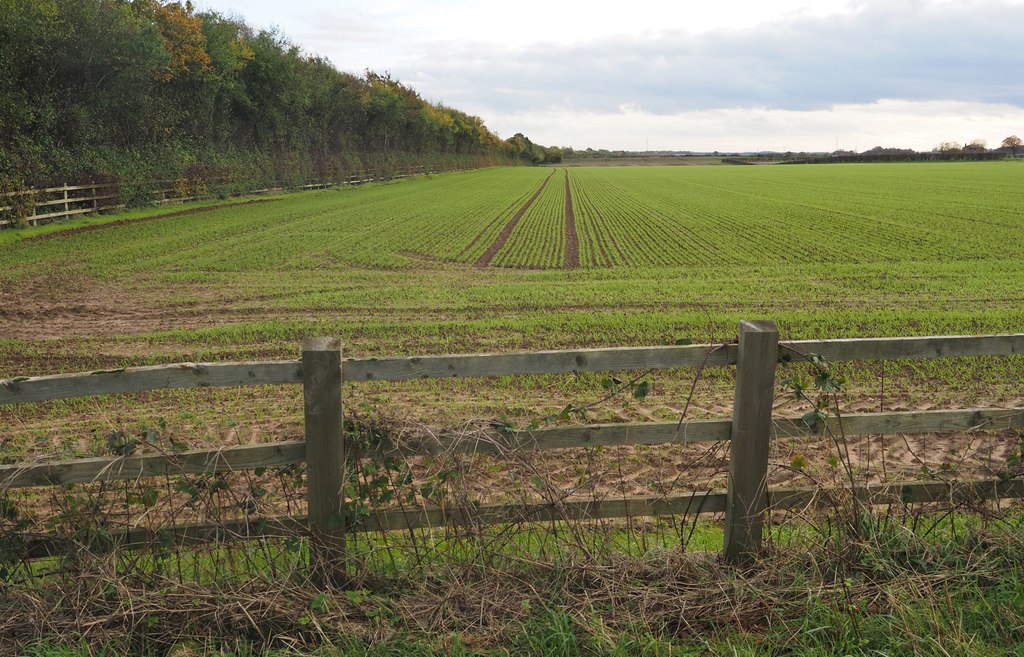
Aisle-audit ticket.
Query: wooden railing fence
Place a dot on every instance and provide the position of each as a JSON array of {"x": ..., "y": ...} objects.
[
  {"x": 34, "y": 206},
  {"x": 186, "y": 192},
  {"x": 322, "y": 370}
]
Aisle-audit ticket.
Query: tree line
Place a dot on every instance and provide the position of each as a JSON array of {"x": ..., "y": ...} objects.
[{"x": 147, "y": 91}]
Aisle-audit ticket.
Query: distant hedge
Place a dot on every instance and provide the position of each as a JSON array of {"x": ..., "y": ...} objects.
[{"x": 153, "y": 91}]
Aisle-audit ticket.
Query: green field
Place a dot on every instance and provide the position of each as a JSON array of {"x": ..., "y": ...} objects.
[
  {"x": 487, "y": 261},
  {"x": 663, "y": 253}
]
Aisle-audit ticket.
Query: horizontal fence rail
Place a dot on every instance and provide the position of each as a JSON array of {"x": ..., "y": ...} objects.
[
  {"x": 610, "y": 508},
  {"x": 494, "y": 441},
  {"x": 75, "y": 199},
  {"x": 322, "y": 371},
  {"x": 91, "y": 198},
  {"x": 201, "y": 375}
]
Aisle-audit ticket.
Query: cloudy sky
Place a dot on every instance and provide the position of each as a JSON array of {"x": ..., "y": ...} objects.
[{"x": 682, "y": 75}]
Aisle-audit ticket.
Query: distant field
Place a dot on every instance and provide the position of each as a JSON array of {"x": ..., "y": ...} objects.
[{"x": 526, "y": 258}]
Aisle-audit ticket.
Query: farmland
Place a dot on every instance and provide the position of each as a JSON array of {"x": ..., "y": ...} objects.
[
  {"x": 482, "y": 261},
  {"x": 515, "y": 259}
]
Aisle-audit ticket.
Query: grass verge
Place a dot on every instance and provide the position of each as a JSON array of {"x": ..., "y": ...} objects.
[{"x": 930, "y": 583}]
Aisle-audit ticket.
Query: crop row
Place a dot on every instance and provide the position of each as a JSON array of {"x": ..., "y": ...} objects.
[
  {"x": 375, "y": 226},
  {"x": 693, "y": 217},
  {"x": 538, "y": 241},
  {"x": 800, "y": 215}
]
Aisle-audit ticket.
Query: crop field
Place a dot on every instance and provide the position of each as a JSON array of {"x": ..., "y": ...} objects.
[{"x": 515, "y": 259}]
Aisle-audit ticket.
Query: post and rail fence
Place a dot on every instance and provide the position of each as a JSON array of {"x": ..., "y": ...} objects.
[
  {"x": 30, "y": 207},
  {"x": 322, "y": 370},
  {"x": 40, "y": 205}
]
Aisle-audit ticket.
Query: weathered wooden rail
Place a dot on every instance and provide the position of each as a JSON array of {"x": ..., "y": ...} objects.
[
  {"x": 322, "y": 370},
  {"x": 37, "y": 205},
  {"x": 55, "y": 203}
]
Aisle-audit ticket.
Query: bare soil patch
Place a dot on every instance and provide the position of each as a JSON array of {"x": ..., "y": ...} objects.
[{"x": 66, "y": 305}]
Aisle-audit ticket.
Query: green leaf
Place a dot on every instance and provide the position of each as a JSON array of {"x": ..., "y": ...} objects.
[
  {"x": 149, "y": 496},
  {"x": 537, "y": 481},
  {"x": 815, "y": 420},
  {"x": 797, "y": 385},
  {"x": 357, "y": 596},
  {"x": 798, "y": 462},
  {"x": 682, "y": 342},
  {"x": 319, "y": 604},
  {"x": 825, "y": 382},
  {"x": 119, "y": 444},
  {"x": 641, "y": 390}
]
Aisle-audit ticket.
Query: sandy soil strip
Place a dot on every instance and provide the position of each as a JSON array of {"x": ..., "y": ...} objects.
[
  {"x": 572, "y": 240},
  {"x": 493, "y": 249}
]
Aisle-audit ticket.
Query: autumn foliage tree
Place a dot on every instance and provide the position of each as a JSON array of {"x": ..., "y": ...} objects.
[{"x": 151, "y": 89}]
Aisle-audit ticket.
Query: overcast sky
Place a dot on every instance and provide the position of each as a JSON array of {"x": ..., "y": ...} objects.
[{"x": 725, "y": 75}]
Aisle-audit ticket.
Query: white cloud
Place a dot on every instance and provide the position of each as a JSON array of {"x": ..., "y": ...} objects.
[
  {"x": 782, "y": 74},
  {"x": 888, "y": 123},
  {"x": 914, "y": 51}
]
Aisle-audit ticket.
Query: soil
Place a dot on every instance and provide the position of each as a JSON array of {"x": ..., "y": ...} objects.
[{"x": 61, "y": 305}]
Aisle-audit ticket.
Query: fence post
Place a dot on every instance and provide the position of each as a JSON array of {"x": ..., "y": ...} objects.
[
  {"x": 325, "y": 456},
  {"x": 751, "y": 428}
]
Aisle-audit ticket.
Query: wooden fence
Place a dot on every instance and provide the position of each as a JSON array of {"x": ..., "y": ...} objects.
[
  {"x": 195, "y": 190},
  {"x": 31, "y": 207},
  {"x": 321, "y": 371},
  {"x": 34, "y": 206}
]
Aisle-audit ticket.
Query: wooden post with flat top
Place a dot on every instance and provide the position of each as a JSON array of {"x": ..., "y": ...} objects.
[
  {"x": 751, "y": 430},
  {"x": 325, "y": 456}
]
